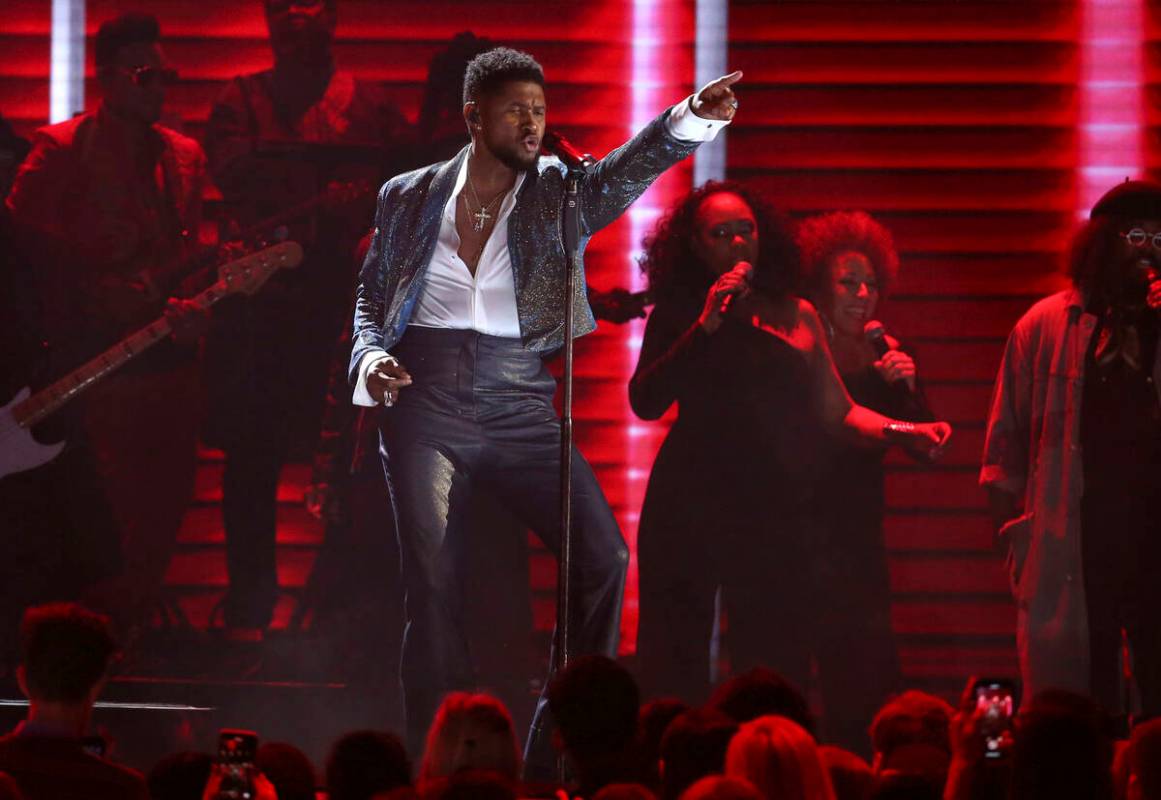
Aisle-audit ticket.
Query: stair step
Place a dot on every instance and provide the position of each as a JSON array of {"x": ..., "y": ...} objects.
[
  {"x": 202, "y": 525},
  {"x": 207, "y": 568}
]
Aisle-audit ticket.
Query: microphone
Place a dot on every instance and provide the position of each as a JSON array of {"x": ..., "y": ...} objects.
[
  {"x": 876, "y": 336},
  {"x": 563, "y": 149},
  {"x": 748, "y": 269}
]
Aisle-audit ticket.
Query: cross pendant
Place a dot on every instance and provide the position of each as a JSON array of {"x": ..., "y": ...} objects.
[{"x": 482, "y": 216}]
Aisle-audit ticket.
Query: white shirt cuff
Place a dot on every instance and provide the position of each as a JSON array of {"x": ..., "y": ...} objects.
[
  {"x": 686, "y": 126},
  {"x": 361, "y": 397}
]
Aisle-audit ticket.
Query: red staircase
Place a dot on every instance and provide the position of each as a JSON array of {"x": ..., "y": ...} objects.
[{"x": 196, "y": 579}]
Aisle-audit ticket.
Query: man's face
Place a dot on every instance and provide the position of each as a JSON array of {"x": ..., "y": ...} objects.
[
  {"x": 134, "y": 86},
  {"x": 511, "y": 123},
  {"x": 1137, "y": 259},
  {"x": 300, "y": 30}
]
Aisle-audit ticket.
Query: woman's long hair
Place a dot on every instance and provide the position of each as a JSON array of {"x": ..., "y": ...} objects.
[
  {"x": 780, "y": 759},
  {"x": 675, "y": 271},
  {"x": 470, "y": 732}
]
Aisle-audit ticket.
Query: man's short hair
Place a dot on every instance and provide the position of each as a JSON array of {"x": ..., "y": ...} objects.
[
  {"x": 760, "y": 692},
  {"x": 490, "y": 70},
  {"x": 363, "y": 763},
  {"x": 1063, "y": 748},
  {"x": 65, "y": 650},
  {"x": 595, "y": 702},
  {"x": 915, "y": 726},
  {"x": 289, "y": 769},
  {"x": 180, "y": 776},
  {"x": 694, "y": 745},
  {"x": 127, "y": 29},
  {"x": 850, "y": 775}
]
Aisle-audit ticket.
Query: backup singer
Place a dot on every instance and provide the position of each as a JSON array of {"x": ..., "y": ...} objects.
[
  {"x": 463, "y": 285},
  {"x": 731, "y": 501},
  {"x": 850, "y": 265},
  {"x": 1072, "y": 461}
]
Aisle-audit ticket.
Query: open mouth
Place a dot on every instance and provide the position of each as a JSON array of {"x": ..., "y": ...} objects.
[{"x": 531, "y": 144}]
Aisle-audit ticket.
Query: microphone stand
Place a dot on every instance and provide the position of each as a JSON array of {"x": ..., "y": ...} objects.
[{"x": 571, "y": 234}]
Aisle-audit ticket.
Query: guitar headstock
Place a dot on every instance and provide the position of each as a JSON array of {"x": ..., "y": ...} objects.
[{"x": 247, "y": 274}]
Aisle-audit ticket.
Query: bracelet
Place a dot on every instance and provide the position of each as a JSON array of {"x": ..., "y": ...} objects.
[{"x": 896, "y": 430}]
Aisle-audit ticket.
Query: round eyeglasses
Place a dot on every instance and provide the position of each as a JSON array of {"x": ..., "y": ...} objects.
[{"x": 1139, "y": 237}]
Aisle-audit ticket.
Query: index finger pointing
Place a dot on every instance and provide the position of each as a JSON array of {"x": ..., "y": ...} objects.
[{"x": 729, "y": 80}]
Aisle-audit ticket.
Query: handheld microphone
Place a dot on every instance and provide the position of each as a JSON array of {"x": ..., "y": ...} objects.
[
  {"x": 748, "y": 269},
  {"x": 876, "y": 336},
  {"x": 563, "y": 149}
]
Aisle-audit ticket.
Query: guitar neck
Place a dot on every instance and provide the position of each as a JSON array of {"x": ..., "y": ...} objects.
[{"x": 51, "y": 398}]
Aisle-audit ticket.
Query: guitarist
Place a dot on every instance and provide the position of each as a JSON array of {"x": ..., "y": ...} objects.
[{"x": 99, "y": 206}]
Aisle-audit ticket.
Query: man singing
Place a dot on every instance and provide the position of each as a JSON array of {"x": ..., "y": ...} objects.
[
  {"x": 464, "y": 286},
  {"x": 1072, "y": 461}
]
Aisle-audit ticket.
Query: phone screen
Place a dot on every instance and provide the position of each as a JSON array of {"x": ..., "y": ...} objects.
[
  {"x": 995, "y": 702},
  {"x": 237, "y": 751}
]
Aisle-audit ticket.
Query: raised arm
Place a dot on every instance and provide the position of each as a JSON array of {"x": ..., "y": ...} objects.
[
  {"x": 624, "y": 174},
  {"x": 674, "y": 337}
]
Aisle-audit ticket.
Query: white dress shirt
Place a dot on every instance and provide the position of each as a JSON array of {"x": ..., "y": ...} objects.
[
  {"x": 454, "y": 298},
  {"x": 486, "y": 302}
]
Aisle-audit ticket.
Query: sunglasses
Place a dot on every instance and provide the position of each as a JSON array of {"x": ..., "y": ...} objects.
[
  {"x": 283, "y": 6},
  {"x": 151, "y": 76}
]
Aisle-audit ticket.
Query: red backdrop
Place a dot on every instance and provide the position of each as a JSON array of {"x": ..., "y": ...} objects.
[{"x": 955, "y": 122}]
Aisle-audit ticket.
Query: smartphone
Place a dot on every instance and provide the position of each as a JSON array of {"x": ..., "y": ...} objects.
[
  {"x": 237, "y": 751},
  {"x": 995, "y": 699}
]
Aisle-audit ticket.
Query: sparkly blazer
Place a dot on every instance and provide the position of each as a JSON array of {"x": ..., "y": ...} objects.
[{"x": 407, "y": 226}]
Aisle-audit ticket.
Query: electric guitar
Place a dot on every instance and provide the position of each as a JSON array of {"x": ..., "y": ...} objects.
[{"x": 20, "y": 452}]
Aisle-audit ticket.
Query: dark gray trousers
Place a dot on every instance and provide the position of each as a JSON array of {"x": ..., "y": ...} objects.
[{"x": 479, "y": 414}]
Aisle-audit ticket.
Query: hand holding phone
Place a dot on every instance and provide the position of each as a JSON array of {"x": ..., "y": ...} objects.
[
  {"x": 235, "y": 767},
  {"x": 994, "y": 706}
]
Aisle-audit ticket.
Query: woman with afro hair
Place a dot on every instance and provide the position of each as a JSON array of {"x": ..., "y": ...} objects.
[
  {"x": 732, "y": 499},
  {"x": 850, "y": 264}
]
